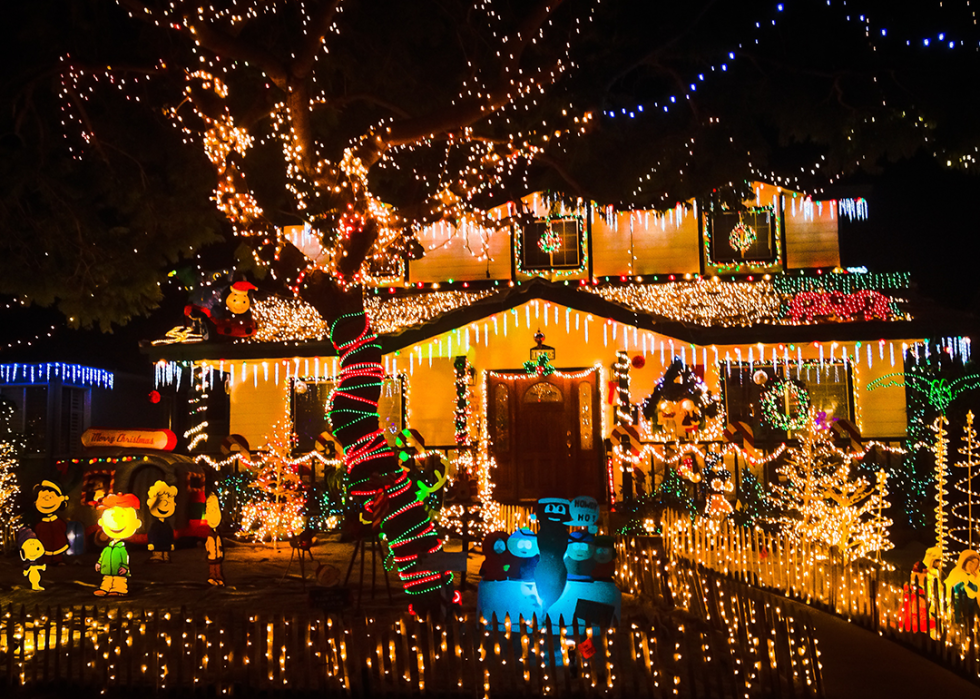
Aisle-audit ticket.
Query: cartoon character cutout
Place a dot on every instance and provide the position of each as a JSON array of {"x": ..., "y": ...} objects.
[
  {"x": 523, "y": 545},
  {"x": 31, "y": 553},
  {"x": 605, "y": 554},
  {"x": 162, "y": 502},
  {"x": 52, "y": 530},
  {"x": 580, "y": 556},
  {"x": 498, "y": 562},
  {"x": 119, "y": 521},
  {"x": 550, "y": 575},
  {"x": 226, "y": 304},
  {"x": 213, "y": 545}
]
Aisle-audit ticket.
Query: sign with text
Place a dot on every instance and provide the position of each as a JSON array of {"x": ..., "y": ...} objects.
[{"x": 162, "y": 440}]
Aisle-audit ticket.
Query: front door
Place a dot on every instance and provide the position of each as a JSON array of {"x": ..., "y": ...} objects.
[{"x": 545, "y": 435}]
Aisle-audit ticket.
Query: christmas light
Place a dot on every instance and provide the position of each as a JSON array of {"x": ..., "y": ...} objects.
[
  {"x": 822, "y": 501},
  {"x": 70, "y": 374}
]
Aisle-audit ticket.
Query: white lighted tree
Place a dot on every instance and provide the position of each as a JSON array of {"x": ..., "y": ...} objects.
[
  {"x": 274, "y": 511},
  {"x": 10, "y": 445},
  {"x": 823, "y": 500}
]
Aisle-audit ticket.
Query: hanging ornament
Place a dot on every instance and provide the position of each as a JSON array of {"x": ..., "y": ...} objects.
[
  {"x": 772, "y": 401},
  {"x": 549, "y": 242},
  {"x": 742, "y": 237},
  {"x": 638, "y": 361},
  {"x": 300, "y": 387},
  {"x": 760, "y": 377}
]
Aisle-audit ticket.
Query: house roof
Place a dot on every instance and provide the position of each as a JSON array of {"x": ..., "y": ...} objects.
[{"x": 927, "y": 319}]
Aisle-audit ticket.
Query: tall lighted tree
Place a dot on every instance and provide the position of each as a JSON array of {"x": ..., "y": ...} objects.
[
  {"x": 963, "y": 529},
  {"x": 10, "y": 446},
  {"x": 823, "y": 500},
  {"x": 274, "y": 510}
]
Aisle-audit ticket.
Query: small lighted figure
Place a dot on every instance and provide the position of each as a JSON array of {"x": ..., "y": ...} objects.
[
  {"x": 52, "y": 531},
  {"x": 238, "y": 301},
  {"x": 580, "y": 556},
  {"x": 213, "y": 545},
  {"x": 963, "y": 578},
  {"x": 523, "y": 545},
  {"x": 605, "y": 554},
  {"x": 162, "y": 502},
  {"x": 498, "y": 562},
  {"x": 119, "y": 521},
  {"x": 31, "y": 552}
]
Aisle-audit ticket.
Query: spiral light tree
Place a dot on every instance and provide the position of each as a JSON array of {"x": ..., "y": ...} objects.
[{"x": 963, "y": 531}]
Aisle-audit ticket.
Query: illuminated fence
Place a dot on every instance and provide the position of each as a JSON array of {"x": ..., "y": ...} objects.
[
  {"x": 723, "y": 645},
  {"x": 861, "y": 593}
]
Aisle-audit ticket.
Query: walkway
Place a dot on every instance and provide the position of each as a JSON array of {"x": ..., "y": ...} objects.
[{"x": 860, "y": 664}]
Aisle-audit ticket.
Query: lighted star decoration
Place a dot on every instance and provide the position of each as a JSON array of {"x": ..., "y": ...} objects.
[{"x": 939, "y": 392}]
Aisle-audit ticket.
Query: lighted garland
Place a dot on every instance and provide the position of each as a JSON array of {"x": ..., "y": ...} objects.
[
  {"x": 461, "y": 412},
  {"x": 742, "y": 237},
  {"x": 549, "y": 242},
  {"x": 542, "y": 367}
]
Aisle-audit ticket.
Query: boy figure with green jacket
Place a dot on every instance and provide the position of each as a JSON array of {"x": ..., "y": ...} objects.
[{"x": 120, "y": 520}]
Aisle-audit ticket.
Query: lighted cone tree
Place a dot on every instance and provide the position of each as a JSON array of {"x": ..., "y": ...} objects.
[
  {"x": 964, "y": 530},
  {"x": 822, "y": 500},
  {"x": 717, "y": 480},
  {"x": 274, "y": 511}
]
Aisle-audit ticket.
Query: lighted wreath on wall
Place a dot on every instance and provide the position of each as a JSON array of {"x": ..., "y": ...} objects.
[{"x": 771, "y": 404}]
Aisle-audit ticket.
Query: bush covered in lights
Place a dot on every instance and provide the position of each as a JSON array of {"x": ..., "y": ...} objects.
[{"x": 642, "y": 514}]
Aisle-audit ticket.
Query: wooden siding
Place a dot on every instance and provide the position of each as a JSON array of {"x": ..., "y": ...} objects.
[
  {"x": 811, "y": 233},
  {"x": 645, "y": 243}
]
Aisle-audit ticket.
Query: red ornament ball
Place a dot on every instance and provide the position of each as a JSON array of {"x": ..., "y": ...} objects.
[
  {"x": 154, "y": 397},
  {"x": 638, "y": 361}
]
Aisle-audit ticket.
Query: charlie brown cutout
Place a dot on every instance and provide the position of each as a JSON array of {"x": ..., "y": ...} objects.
[{"x": 119, "y": 521}]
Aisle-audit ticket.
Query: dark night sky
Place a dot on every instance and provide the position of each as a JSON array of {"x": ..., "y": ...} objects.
[{"x": 920, "y": 220}]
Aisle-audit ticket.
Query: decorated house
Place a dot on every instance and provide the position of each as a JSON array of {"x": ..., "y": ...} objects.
[{"x": 565, "y": 349}]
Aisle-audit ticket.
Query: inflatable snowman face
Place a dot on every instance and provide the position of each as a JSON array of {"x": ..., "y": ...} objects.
[
  {"x": 523, "y": 544},
  {"x": 552, "y": 510}
]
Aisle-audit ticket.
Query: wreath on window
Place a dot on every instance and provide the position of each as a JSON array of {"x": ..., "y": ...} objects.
[
  {"x": 679, "y": 382},
  {"x": 549, "y": 242},
  {"x": 771, "y": 404},
  {"x": 742, "y": 237}
]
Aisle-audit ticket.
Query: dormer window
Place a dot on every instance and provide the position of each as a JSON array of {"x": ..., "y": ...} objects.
[
  {"x": 552, "y": 244},
  {"x": 742, "y": 237}
]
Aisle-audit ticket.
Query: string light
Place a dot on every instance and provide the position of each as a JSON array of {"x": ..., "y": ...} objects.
[{"x": 71, "y": 374}]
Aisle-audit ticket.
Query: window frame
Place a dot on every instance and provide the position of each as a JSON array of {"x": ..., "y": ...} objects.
[{"x": 526, "y": 244}]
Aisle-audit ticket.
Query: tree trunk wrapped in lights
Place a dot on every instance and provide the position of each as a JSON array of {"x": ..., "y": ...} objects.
[{"x": 378, "y": 484}]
